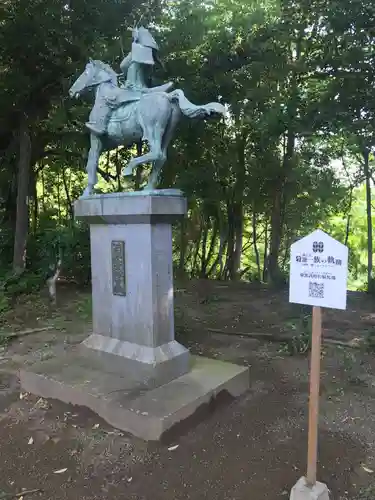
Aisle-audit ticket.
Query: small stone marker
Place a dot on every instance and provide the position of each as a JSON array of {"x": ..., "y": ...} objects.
[{"x": 318, "y": 277}]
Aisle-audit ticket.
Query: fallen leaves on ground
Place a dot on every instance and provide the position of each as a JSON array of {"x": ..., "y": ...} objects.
[
  {"x": 370, "y": 471},
  {"x": 60, "y": 471}
]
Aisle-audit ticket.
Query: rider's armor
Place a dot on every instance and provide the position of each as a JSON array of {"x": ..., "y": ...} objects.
[{"x": 143, "y": 52}]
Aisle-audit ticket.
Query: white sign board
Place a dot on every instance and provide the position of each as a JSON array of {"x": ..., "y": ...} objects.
[{"x": 318, "y": 271}]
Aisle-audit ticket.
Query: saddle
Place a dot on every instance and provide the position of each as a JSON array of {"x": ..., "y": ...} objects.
[{"x": 123, "y": 95}]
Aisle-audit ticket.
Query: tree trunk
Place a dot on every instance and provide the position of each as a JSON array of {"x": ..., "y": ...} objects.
[
  {"x": 118, "y": 172},
  {"x": 279, "y": 201},
  {"x": 265, "y": 254},
  {"x": 183, "y": 247},
  {"x": 139, "y": 170},
  {"x": 34, "y": 195},
  {"x": 22, "y": 218},
  {"x": 196, "y": 254},
  {"x": 238, "y": 239},
  {"x": 278, "y": 208},
  {"x": 43, "y": 192},
  {"x": 212, "y": 246},
  {"x": 58, "y": 199},
  {"x": 347, "y": 230},
  {"x": 205, "y": 229},
  {"x": 10, "y": 204},
  {"x": 223, "y": 230},
  {"x": 235, "y": 210},
  {"x": 255, "y": 243},
  {"x": 276, "y": 233},
  {"x": 366, "y": 154},
  {"x": 238, "y": 211},
  {"x": 69, "y": 204},
  {"x": 286, "y": 251},
  {"x": 230, "y": 244}
]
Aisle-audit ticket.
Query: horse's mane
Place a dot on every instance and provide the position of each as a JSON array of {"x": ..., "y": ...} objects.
[{"x": 107, "y": 68}]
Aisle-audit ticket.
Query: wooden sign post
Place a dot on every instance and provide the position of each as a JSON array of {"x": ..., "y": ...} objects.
[
  {"x": 316, "y": 342},
  {"x": 318, "y": 277}
]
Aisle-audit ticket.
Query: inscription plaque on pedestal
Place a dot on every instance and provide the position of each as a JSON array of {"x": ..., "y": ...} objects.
[{"x": 118, "y": 268}]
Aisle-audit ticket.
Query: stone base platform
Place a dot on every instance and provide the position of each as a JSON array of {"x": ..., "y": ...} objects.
[{"x": 130, "y": 404}]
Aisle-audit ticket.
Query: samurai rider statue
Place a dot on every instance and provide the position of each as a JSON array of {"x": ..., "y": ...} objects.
[
  {"x": 143, "y": 55},
  {"x": 131, "y": 113}
]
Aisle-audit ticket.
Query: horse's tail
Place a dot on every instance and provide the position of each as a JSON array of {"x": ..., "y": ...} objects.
[{"x": 192, "y": 110}]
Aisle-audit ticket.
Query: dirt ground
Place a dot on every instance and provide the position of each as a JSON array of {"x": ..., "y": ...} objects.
[{"x": 253, "y": 448}]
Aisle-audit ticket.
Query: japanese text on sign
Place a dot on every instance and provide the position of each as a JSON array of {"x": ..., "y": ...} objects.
[{"x": 318, "y": 271}]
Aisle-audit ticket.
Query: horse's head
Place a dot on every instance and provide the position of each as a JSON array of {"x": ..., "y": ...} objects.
[{"x": 96, "y": 72}]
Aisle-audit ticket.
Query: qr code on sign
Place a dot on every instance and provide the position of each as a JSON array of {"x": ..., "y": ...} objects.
[{"x": 316, "y": 290}]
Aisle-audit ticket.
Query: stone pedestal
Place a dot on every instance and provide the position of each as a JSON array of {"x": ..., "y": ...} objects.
[
  {"x": 131, "y": 371},
  {"x": 132, "y": 282}
]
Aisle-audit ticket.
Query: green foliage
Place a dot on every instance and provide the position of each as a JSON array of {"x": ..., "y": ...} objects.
[
  {"x": 357, "y": 240},
  {"x": 366, "y": 493},
  {"x": 52, "y": 242},
  {"x": 4, "y": 341},
  {"x": 370, "y": 340},
  {"x": 6, "y": 247},
  {"x": 297, "y": 78},
  {"x": 300, "y": 343},
  {"x": 4, "y": 302},
  {"x": 26, "y": 283},
  {"x": 84, "y": 308},
  {"x": 13, "y": 285}
]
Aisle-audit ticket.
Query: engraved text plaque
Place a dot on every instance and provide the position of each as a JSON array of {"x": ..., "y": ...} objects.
[{"x": 118, "y": 268}]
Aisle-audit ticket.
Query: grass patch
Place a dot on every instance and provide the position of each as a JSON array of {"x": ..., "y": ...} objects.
[{"x": 300, "y": 342}]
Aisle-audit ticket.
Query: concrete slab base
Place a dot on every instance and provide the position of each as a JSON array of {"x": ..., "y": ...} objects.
[
  {"x": 128, "y": 403},
  {"x": 301, "y": 491}
]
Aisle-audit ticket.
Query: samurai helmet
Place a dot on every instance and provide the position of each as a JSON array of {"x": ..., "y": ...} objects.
[
  {"x": 144, "y": 46},
  {"x": 142, "y": 36}
]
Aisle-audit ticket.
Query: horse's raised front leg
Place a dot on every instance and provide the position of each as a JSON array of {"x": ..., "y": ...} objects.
[
  {"x": 92, "y": 164},
  {"x": 128, "y": 170},
  {"x": 154, "y": 154}
]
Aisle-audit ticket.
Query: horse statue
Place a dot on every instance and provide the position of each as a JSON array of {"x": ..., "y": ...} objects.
[{"x": 148, "y": 114}]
